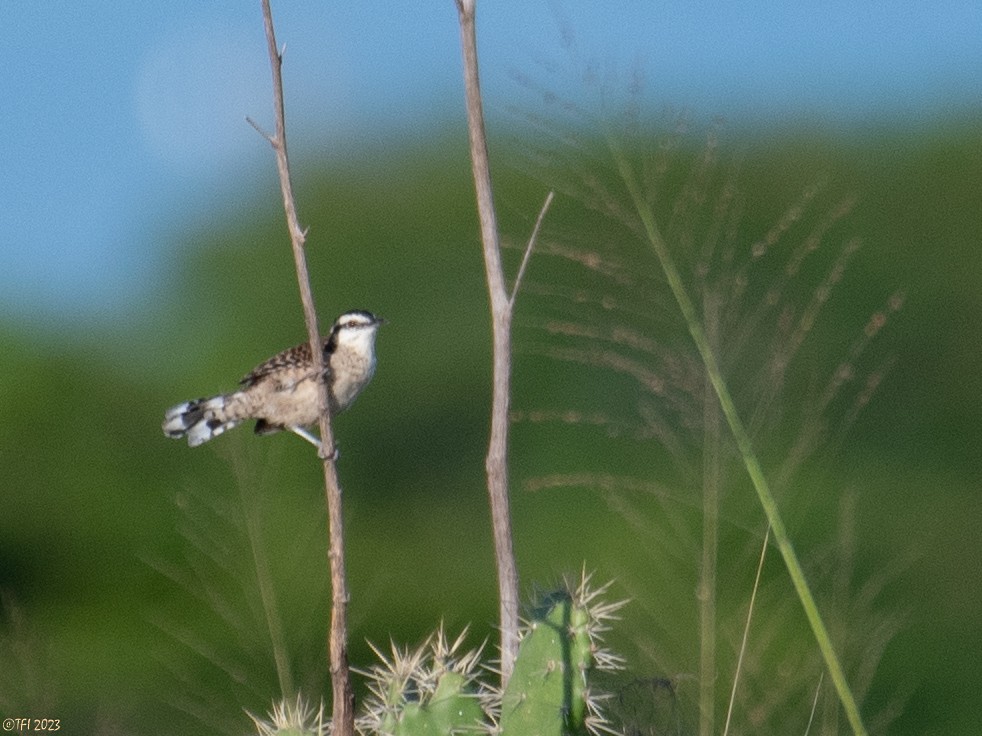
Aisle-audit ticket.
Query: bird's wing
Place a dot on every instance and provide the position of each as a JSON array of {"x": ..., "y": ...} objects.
[{"x": 297, "y": 356}]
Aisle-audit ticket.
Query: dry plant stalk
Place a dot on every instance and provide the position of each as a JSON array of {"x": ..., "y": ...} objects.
[
  {"x": 344, "y": 699},
  {"x": 502, "y": 308},
  {"x": 496, "y": 464}
]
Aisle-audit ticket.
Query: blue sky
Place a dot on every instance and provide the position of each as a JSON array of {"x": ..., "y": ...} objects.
[{"x": 121, "y": 120}]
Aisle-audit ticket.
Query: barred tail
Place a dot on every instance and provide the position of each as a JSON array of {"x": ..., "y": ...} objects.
[{"x": 198, "y": 420}]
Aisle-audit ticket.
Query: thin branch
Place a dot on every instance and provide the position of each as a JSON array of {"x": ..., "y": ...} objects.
[
  {"x": 818, "y": 691},
  {"x": 265, "y": 134},
  {"x": 528, "y": 249},
  {"x": 496, "y": 463},
  {"x": 746, "y": 631},
  {"x": 344, "y": 699}
]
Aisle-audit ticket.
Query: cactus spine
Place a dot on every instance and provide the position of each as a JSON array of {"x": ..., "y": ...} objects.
[
  {"x": 549, "y": 691},
  {"x": 432, "y": 691},
  {"x": 435, "y": 690}
]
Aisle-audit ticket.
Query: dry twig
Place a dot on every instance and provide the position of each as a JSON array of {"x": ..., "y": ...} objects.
[
  {"x": 344, "y": 700},
  {"x": 502, "y": 306},
  {"x": 496, "y": 463}
]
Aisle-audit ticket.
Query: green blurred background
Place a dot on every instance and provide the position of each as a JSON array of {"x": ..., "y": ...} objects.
[{"x": 128, "y": 562}]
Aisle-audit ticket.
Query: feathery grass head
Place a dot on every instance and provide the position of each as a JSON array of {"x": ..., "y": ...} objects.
[{"x": 711, "y": 330}]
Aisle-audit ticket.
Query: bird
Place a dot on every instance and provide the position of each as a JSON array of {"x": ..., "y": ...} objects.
[{"x": 282, "y": 393}]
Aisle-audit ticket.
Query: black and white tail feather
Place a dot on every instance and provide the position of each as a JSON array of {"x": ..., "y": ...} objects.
[
  {"x": 282, "y": 393},
  {"x": 198, "y": 420}
]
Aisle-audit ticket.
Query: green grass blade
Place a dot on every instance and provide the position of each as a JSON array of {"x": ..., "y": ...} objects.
[{"x": 744, "y": 445}]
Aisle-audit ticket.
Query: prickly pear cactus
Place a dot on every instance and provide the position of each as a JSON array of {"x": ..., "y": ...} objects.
[
  {"x": 549, "y": 690},
  {"x": 293, "y": 719},
  {"x": 432, "y": 691},
  {"x": 435, "y": 689}
]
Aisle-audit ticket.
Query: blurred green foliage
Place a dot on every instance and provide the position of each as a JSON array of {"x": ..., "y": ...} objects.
[{"x": 127, "y": 562}]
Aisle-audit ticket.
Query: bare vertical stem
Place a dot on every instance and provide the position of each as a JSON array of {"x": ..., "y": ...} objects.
[
  {"x": 712, "y": 461},
  {"x": 344, "y": 700},
  {"x": 496, "y": 463},
  {"x": 266, "y": 593}
]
